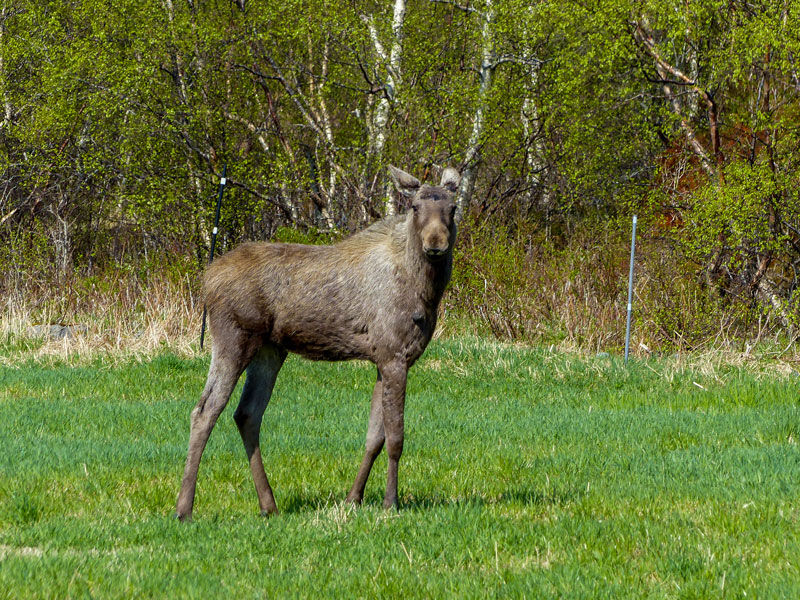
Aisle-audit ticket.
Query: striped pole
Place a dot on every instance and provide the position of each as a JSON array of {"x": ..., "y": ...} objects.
[
  {"x": 214, "y": 232},
  {"x": 630, "y": 292}
]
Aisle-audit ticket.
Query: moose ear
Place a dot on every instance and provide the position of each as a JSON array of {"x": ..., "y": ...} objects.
[
  {"x": 406, "y": 184},
  {"x": 450, "y": 179}
]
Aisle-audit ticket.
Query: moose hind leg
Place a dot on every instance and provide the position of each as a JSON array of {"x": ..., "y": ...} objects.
[
  {"x": 222, "y": 377},
  {"x": 261, "y": 375},
  {"x": 375, "y": 439}
]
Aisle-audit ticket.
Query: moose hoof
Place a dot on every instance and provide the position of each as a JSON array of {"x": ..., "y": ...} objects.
[
  {"x": 187, "y": 518},
  {"x": 353, "y": 499}
]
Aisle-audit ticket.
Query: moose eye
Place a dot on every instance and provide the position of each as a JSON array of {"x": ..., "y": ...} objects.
[{"x": 415, "y": 207}]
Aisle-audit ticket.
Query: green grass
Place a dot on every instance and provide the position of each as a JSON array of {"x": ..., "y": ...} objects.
[{"x": 525, "y": 474}]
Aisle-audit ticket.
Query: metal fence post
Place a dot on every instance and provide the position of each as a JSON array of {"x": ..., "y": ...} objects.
[
  {"x": 214, "y": 232},
  {"x": 630, "y": 292}
]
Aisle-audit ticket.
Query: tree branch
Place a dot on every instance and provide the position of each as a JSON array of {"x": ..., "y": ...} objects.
[
  {"x": 664, "y": 69},
  {"x": 520, "y": 60},
  {"x": 461, "y": 7},
  {"x": 286, "y": 209}
]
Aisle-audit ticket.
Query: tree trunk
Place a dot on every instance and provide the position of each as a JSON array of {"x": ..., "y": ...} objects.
[
  {"x": 485, "y": 72},
  {"x": 537, "y": 181},
  {"x": 380, "y": 116}
]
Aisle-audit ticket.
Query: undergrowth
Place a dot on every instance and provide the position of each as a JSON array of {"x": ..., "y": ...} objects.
[
  {"x": 570, "y": 292},
  {"x": 565, "y": 291}
]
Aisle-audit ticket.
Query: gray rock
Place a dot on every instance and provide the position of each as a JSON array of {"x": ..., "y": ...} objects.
[{"x": 58, "y": 332}]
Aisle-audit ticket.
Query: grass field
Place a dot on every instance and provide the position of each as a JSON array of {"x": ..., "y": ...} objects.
[{"x": 526, "y": 474}]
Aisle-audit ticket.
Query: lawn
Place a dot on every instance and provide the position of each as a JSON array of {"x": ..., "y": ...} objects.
[{"x": 526, "y": 473}]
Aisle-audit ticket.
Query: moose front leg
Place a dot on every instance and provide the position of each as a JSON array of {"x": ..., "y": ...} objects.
[
  {"x": 375, "y": 439},
  {"x": 394, "y": 398}
]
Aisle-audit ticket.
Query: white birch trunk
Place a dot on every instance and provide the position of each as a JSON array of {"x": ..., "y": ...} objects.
[
  {"x": 380, "y": 117},
  {"x": 324, "y": 119},
  {"x": 4, "y": 93},
  {"x": 537, "y": 179},
  {"x": 464, "y": 197},
  {"x": 178, "y": 58},
  {"x": 666, "y": 70},
  {"x": 537, "y": 167}
]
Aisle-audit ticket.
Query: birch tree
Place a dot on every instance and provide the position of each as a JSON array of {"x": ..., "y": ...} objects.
[
  {"x": 389, "y": 83},
  {"x": 489, "y": 55},
  {"x": 485, "y": 73},
  {"x": 743, "y": 217}
]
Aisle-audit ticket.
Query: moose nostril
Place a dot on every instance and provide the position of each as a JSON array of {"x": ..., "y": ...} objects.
[{"x": 436, "y": 250}]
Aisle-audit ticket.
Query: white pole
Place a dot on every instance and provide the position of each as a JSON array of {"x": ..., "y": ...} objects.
[{"x": 630, "y": 292}]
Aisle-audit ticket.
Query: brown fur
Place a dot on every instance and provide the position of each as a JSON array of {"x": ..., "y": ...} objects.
[{"x": 373, "y": 296}]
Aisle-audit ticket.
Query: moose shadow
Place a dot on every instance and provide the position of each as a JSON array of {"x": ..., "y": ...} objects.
[{"x": 296, "y": 503}]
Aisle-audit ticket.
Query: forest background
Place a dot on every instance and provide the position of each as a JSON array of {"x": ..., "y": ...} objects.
[{"x": 565, "y": 118}]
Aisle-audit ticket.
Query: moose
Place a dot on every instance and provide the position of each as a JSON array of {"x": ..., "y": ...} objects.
[{"x": 372, "y": 296}]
